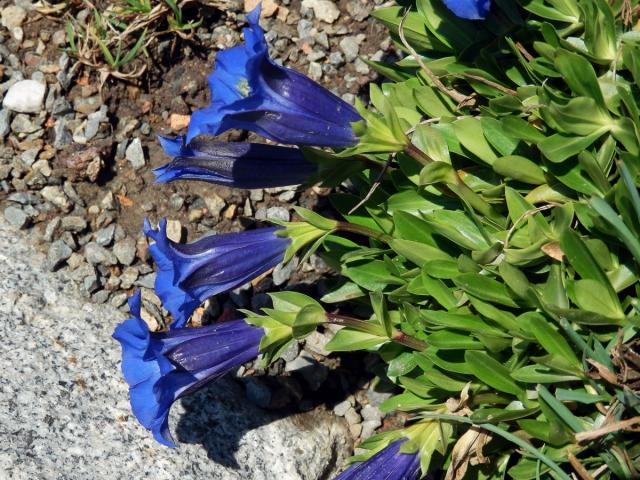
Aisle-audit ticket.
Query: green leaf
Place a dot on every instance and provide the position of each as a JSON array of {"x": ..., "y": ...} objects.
[
  {"x": 581, "y": 258},
  {"x": 414, "y": 28},
  {"x": 373, "y": 275},
  {"x": 492, "y": 372},
  {"x": 447, "y": 360},
  {"x": 456, "y": 226},
  {"x": 348, "y": 340},
  {"x": 588, "y": 296},
  {"x": 445, "y": 269},
  {"x": 347, "y": 291},
  {"x": 405, "y": 402},
  {"x": 485, "y": 288},
  {"x": 459, "y": 321},
  {"x": 503, "y": 318},
  {"x": 562, "y": 411},
  {"x": 307, "y": 320},
  {"x": 438, "y": 290},
  {"x": 497, "y": 415},
  {"x": 625, "y": 234},
  {"x": 432, "y": 142},
  {"x": 418, "y": 253},
  {"x": 581, "y": 116},
  {"x": 401, "y": 365},
  {"x": 580, "y": 396},
  {"x": 519, "y": 168},
  {"x": 497, "y": 137},
  {"x": 437, "y": 172},
  {"x": 411, "y": 227},
  {"x": 541, "y": 374},
  {"x": 516, "y": 280},
  {"x": 516, "y": 127},
  {"x": 449, "y": 340},
  {"x": 446, "y": 27},
  {"x": 433, "y": 102},
  {"x": 411, "y": 201},
  {"x": 524, "y": 445},
  {"x": 559, "y": 147},
  {"x": 579, "y": 74},
  {"x": 471, "y": 135},
  {"x": 379, "y": 306},
  {"x": 552, "y": 341},
  {"x": 291, "y": 301}
]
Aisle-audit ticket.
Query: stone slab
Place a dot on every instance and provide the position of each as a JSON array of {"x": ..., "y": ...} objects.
[{"x": 64, "y": 410}]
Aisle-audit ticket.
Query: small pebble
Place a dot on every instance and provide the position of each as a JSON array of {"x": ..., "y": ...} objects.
[
  {"x": 119, "y": 299},
  {"x": 58, "y": 253},
  {"x": 125, "y": 251},
  {"x": 25, "y": 96},
  {"x": 98, "y": 255},
  {"x": 73, "y": 223},
  {"x": 324, "y": 10},
  {"x": 278, "y": 213},
  {"x": 16, "y": 217},
  {"x": 176, "y": 202},
  {"x": 351, "y": 416},
  {"x": 104, "y": 236},
  {"x": 56, "y": 195},
  {"x": 174, "y": 230},
  {"x": 341, "y": 408},
  {"x": 101, "y": 296},
  {"x": 135, "y": 154}
]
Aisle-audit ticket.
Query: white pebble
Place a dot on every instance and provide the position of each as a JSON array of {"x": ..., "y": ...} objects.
[{"x": 25, "y": 96}]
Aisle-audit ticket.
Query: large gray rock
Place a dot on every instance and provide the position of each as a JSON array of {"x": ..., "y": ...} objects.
[{"x": 65, "y": 409}]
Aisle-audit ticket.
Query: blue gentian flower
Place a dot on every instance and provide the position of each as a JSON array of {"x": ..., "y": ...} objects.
[
  {"x": 240, "y": 165},
  {"x": 190, "y": 273},
  {"x": 469, "y": 9},
  {"x": 251, "y": 92},
  {"x": 388, "y": 464},
  {"x": 162, "y": 367}
]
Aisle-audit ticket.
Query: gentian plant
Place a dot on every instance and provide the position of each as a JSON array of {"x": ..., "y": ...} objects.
[{"x": 493, "y": 257}]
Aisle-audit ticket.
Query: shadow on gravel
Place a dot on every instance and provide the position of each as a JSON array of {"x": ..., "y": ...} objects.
[{"x": 218, "y": 417}]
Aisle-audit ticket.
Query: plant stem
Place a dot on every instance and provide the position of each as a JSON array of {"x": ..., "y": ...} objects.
[
  {"x": 417, "y": 154},
  {"x": 365, "y": 231},
  {"x": 373, "y": 329}
]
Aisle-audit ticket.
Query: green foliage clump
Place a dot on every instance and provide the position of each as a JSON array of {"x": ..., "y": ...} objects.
[{"x": 499, "y": 277}]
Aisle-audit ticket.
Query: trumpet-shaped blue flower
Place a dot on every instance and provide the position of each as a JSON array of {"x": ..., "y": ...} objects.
[
  {"x": 162, "y": 367},
  {"x": 190, "y": 273},
  {"x": 240, "y": 165},
  {"x": 469, "y": 9},
  {"x": 388, "y": 464},
  {"x": 251, "y": 92}
]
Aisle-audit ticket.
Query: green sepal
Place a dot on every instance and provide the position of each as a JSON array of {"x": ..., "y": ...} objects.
[
  {"x": 277, "y": 335},
  {"x": 378, "y": 132},
  {"x": 284, "y": 322},
  {"x": 301, "y": 234}
]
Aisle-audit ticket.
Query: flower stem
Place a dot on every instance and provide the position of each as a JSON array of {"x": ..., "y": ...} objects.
[
  {"x": 368, "y": 327},
  {"x": 417, "y": 154},
  {"x": 365, "y": 231}
]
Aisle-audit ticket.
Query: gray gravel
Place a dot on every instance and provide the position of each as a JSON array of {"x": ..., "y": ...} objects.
[
  {"x": 73, "y": 134},
  {"x": 66, "y": 411}
]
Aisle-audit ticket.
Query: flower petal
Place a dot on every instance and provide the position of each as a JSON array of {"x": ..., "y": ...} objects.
[{"x": 469, "y": 9}]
